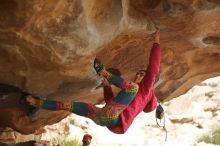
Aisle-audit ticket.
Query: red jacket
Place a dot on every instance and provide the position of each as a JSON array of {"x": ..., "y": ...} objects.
[{"x": 145, "y": 99}]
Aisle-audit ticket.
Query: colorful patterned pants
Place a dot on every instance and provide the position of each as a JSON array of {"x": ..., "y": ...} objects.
[{"x": 109, "y": 114}]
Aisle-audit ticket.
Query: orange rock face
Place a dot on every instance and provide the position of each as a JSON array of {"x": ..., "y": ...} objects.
[{"x": 47, "y": 48}]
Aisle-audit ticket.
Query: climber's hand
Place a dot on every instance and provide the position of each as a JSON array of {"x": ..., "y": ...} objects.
[
  {"x": 156, "y": 36},
  {"x": 105, "y": 82}
]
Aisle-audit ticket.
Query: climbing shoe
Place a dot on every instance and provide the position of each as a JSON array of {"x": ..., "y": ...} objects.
[
  {"x": 98, "y": 66},
  {"x": 31, "y": 110}
]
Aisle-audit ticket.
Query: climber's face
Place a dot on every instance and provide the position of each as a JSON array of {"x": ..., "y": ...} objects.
[{"x": 139, "y": 76}]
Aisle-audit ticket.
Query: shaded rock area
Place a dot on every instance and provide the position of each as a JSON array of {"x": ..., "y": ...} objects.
[
  {"x": 47, "y": 48},
  {"x": 29, "y": 143},
  {"x": 187, "y": 118}
]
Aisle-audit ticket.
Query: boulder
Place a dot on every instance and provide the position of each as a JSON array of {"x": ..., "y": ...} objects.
[{"x": 47, "y": 48}]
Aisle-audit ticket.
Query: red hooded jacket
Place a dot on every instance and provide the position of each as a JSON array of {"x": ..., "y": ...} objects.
[{"x": 145, "y": 99}]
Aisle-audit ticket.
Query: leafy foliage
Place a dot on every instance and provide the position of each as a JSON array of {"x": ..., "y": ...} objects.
[
  {"x": 62, "y": 141},
  {"x": 213, "y": 137}
]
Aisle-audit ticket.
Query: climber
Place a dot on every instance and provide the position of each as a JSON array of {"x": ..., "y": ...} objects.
[{"x": 119, "y": 111}]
